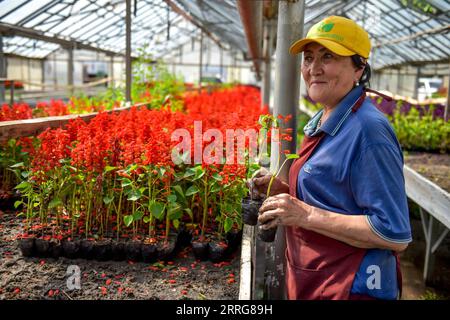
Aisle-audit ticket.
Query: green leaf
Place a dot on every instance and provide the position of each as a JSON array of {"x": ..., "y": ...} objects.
[
  {"x": 172, "y": 198},
  {"x": 157, "y": 210},
  {"x": 54, "y": 203},
  {"x": 109, "y": 168},
  {"x": 126, "y": 182},
  {"x": 217, "y": 177},
  {"x": 191, "y": 191},
  {"x": 128, "y": 220},
  {"x": 227, "y": 224},
  {"x": 176, "y": 223},
  {"x": 292, "y": 156},
  {"x": 215, "y": 188},
  {"x": 146, "y": 219},
  {"x": 138, "y": 215},
  {"x": 23, "y": 185},
  {"x": 189, "y": 212},
  {"x": 17, "y": 203},
  {"x": 25, "y": 174},
  {"x": 179, "y": 190},
  {"x": 108, "y": 199},
  {"x": 134, "y": 195},
  {"x": 17, "y": 165}
]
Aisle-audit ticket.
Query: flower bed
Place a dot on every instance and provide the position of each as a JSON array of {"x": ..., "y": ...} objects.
[{"x": 89, "y": 190}]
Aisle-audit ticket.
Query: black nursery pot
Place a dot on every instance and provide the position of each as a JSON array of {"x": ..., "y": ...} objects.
[
  {"x": 217, "y": 251},
  {"x": 86, "y": 250},
  {"x": 41, "y": 247},
  {"x": 200, "y": 249},
  {"x": 118, "y": 250},
  {"x": 133, "y": 250},
  {"x": 26, "y": 246},
  {"x": 166, "y": 250},
  {"x": 71, "y": 248},
  {"x": 55, "y": 250},
  {"x": 102, "y": 250},
  {"x": 267, "y": 235},
  {"x": 234, "y": 238},
  {"x": 148, "y": 252},
  {"x": 250, "y": 210}
]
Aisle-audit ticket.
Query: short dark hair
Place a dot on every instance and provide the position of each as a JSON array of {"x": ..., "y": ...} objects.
[{"x": 359, "y": 62}]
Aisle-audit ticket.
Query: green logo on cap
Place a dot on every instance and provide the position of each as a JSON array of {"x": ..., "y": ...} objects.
[{"x": 325, "y": 27}]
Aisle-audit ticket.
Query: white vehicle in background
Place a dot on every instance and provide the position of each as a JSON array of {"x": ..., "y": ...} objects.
[{"x": 428, "y": 86}]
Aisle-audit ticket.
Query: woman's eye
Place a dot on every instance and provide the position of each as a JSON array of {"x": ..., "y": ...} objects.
[
  {"x": 308, "y": 59},
  {"x": 327, "y": 56}
]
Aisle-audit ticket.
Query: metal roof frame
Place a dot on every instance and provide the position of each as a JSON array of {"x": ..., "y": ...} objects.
[{"x": 404, "y": 33}]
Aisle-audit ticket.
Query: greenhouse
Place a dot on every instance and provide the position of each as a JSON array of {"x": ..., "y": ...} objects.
[{"x": 224, "y": 150}]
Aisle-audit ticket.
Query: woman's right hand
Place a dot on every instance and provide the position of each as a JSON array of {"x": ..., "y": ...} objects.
[{"x": 260, "y": 182}]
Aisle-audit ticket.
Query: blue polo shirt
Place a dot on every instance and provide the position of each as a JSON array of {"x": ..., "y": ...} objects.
[{"x": 357, "y": 169}]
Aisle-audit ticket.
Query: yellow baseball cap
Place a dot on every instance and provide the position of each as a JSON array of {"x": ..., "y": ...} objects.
[{"x": 338, "y": 34}]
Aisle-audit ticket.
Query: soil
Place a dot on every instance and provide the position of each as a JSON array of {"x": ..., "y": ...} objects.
[
  {"x": 412, "y": 261},
  {"x": 433, "y": 166},
  {"x": 47, "y": 278}
]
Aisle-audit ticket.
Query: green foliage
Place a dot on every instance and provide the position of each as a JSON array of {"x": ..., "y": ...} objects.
[
  {"x": 153, "y": 82},
  {"x": 421, "y": 133}
]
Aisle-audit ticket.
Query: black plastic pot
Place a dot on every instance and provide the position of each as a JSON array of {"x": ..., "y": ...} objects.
[
  {"x": 250, "y": 210},
  {"x": 148, "y": 252},
  {"x": 41, "y": 247},
  {"x": 102, "y": 250},
  {"x": 234, "y": 239},
  {"x": 71, "y": 248},
  {"x": 217, "y": 251},
  {"x": 267, "y": 235},
  {"x": 133, "y": 250},
  {"x": 166, "y": 250},
  {"x": 184, "y": 237},
  {"x": 55, "y": 250},
  {"x": 26, "y": 245},
  {"x": 200, "y": 249},
  {"x": 118, "y": 250},
  {"x": 86, "y": 250}
]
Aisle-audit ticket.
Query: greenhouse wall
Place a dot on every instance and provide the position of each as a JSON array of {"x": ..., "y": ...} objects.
[{"x": 26, "y": 70}]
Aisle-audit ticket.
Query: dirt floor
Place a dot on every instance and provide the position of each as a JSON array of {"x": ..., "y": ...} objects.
[
  {"x": 412, "y": 261},
  {"x": 183, "y": 278},
  {"x": 435, "y": 167}
]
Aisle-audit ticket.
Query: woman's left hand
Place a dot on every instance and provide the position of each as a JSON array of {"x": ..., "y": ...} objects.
[{"x": 283, "y": 209}]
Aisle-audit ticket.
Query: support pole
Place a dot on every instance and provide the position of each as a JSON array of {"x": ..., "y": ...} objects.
[
  {"x": 2, "y": 71},
  {"x": 416, "y": 84},
  {"x": 200, "y": 75},
  {"x": 128, "y": 52},
  {"x": 70, "y": 69},
  {"x": 111, "y": 71},
  {"x": 448, "y": 95},
  {"x": 267, "y": 66},
  {"x": 286, "y": 100}
]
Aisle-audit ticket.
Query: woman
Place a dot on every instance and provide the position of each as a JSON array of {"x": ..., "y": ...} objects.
[{"x": 344, "y": 208}]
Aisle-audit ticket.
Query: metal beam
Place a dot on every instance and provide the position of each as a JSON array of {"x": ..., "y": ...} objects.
[
  {"x": 286, "y": 100},
  {"x": 251, "y": 16},
  {"x": 12, "y": 30},
  {"x": 128, "y": 51},
  {"x": 188, "y": 17}
]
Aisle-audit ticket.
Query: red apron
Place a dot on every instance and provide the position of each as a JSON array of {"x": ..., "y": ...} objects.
[{"x": 319, "y": 267}]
